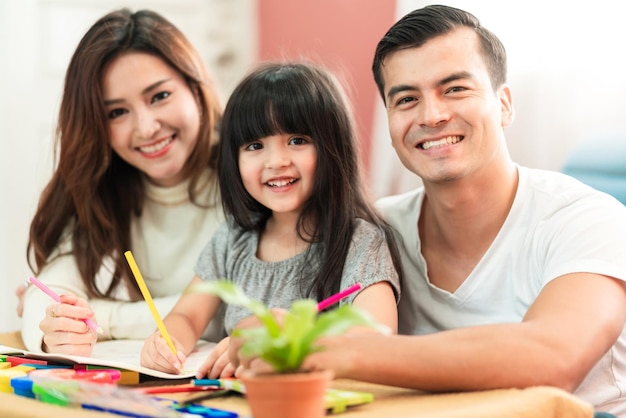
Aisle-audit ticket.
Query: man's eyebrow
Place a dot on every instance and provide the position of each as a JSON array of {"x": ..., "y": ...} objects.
[
  {"x": 399, "y": 89},
  {"x": 456, "y": 76},
  {"x": 461, "y": 75},
  {"x": 144, "y": 91}
]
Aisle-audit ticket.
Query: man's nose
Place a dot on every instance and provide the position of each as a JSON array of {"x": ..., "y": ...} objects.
[{"x": 432, "y": 111}]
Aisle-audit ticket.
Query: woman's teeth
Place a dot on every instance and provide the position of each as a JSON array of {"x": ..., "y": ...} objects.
[{"x": 151, "y": 149}]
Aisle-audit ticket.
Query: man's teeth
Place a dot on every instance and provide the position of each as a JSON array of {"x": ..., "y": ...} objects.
[
  {"x": 280, "y": 183},
  {"x": 149, "y": 149},
  {"x": 440, "y": 142}
]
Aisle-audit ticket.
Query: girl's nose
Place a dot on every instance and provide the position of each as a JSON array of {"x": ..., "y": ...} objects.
[{"x": 277, "y": 158}]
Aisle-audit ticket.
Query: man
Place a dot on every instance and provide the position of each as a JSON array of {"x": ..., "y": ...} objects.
[{"x": 514, "y": 276}]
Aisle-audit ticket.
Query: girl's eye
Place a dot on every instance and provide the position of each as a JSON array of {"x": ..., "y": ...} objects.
[
  {"x": 297, "y": 141},
  {"x": 160, "y": 96},
  {"x": 253, "y": 146},
  {"x": 115, "y": 113}
]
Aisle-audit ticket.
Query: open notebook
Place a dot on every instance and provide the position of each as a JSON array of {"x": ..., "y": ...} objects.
[{"x": 122, "y": 354}]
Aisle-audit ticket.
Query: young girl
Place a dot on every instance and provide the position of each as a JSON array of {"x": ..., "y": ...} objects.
[
  {"x": 136, "y": 156},
  {"x": 299, "y": 224}
]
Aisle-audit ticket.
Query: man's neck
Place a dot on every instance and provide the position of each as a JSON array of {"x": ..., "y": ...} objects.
[{"x": 459, "y": 221}]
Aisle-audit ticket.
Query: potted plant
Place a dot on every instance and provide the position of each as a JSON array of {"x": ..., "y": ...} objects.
[{"x": 288, "y": 391}]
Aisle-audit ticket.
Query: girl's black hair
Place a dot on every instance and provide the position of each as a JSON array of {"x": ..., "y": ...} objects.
[{"x": 301, "y": 98}]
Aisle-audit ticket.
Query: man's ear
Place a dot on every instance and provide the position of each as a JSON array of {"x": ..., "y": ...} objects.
[{"x": 506, "y": 105}]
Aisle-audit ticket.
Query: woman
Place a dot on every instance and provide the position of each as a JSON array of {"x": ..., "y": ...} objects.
[{"x": 136, "y": 156}]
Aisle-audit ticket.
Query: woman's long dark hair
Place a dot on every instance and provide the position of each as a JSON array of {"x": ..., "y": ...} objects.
[
  {"x": 301, "y": 98},
  {"x": 92, "y": 189}
]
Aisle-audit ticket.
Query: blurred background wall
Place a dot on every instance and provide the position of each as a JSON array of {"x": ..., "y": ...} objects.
[{"x": 565, "y": 70}]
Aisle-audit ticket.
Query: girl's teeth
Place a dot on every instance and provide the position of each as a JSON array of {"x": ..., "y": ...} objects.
[{"x": 280, "y": 183}]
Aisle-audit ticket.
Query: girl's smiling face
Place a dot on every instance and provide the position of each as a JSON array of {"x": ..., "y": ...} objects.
[
  {"x": 279, "y": 171},
  {"x": 153, "y": 116}
]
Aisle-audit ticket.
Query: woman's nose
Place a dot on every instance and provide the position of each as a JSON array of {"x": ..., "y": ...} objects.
[{"x": 146, "y": 124}]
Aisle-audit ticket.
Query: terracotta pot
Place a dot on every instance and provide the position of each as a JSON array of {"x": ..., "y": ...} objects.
[{"x": 289, "y": 395}]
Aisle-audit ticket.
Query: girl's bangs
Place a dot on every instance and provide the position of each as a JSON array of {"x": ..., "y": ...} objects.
[{"x": 272, "y": 107}]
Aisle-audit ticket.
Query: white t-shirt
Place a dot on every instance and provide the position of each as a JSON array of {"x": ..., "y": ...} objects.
[
  {"x": 556, "y": 226},
  {"x": 166, "y": 242}
]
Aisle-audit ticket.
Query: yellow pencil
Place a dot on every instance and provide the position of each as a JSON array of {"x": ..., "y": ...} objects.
[{"x": 146, "y": 295}]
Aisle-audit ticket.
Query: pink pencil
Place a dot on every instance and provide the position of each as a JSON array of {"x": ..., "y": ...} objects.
[
  {"x": 57, "y": 299},
  {"x": 337, "y": 297}
]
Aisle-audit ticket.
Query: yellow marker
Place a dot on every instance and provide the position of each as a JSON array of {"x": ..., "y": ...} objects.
[{"x": 146, "y": 295}]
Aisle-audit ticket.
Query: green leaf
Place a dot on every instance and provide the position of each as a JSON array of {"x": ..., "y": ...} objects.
[
  {"x": 232, "y": 294},
  {"x": 285, "y": 347}
]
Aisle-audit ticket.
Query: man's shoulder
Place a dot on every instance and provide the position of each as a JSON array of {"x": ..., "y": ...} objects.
[
  {"x": 401, "y": 207},
  {"x": 410, "y": 198},
  {"x": 556, "y": 184}
]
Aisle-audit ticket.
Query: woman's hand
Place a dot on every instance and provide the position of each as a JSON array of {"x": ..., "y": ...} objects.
[
  {"x": 64, "y": 328},
  {"x": 156, "y": 354},
  {"x": 19, "y": 292},
  {"x": 217, "y": 364}
]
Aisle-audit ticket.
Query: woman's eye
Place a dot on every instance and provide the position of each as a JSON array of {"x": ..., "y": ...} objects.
[
  {"x": 116, "y": 113},
  {"x": 160, "y": 96}
]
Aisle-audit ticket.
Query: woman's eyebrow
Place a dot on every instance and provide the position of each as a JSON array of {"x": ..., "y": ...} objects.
[{"x": 108, "y": 102}]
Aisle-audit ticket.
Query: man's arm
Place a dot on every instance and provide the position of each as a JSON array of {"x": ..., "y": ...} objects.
[{"x": 573, "y": 322}]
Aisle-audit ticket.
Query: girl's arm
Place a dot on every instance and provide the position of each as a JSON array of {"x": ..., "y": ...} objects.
[
  {"x": 370, "y": 262},
  {"x": 379, "y": 300},
  {"x": 185, "y": 324}
]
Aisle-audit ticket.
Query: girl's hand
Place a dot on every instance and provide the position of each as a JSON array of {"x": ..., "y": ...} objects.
[
  {"x": 156, "y": 354},
  {"x": 64, "y": 328},
  {"x": 217, "y": 364}
]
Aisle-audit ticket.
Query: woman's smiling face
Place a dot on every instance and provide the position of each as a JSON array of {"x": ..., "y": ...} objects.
[{"x": 153, "y": 116}]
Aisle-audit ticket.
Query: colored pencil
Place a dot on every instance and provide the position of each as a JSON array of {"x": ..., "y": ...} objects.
[
  {"x": 57, "y": 299},
  {"x": 337, "y": 297},
  {"x": 146, "y": 295}
]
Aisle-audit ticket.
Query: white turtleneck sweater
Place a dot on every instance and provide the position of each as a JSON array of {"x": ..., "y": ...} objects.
[{"x": 166, "y": 242}]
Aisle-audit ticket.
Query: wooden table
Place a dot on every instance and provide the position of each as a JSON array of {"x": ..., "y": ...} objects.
[{"x": 540, "y": 402}]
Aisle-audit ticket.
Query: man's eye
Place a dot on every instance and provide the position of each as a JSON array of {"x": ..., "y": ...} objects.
[
  {"x": 406, "y": 100},
  {"x": 456, "y": 89}
]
